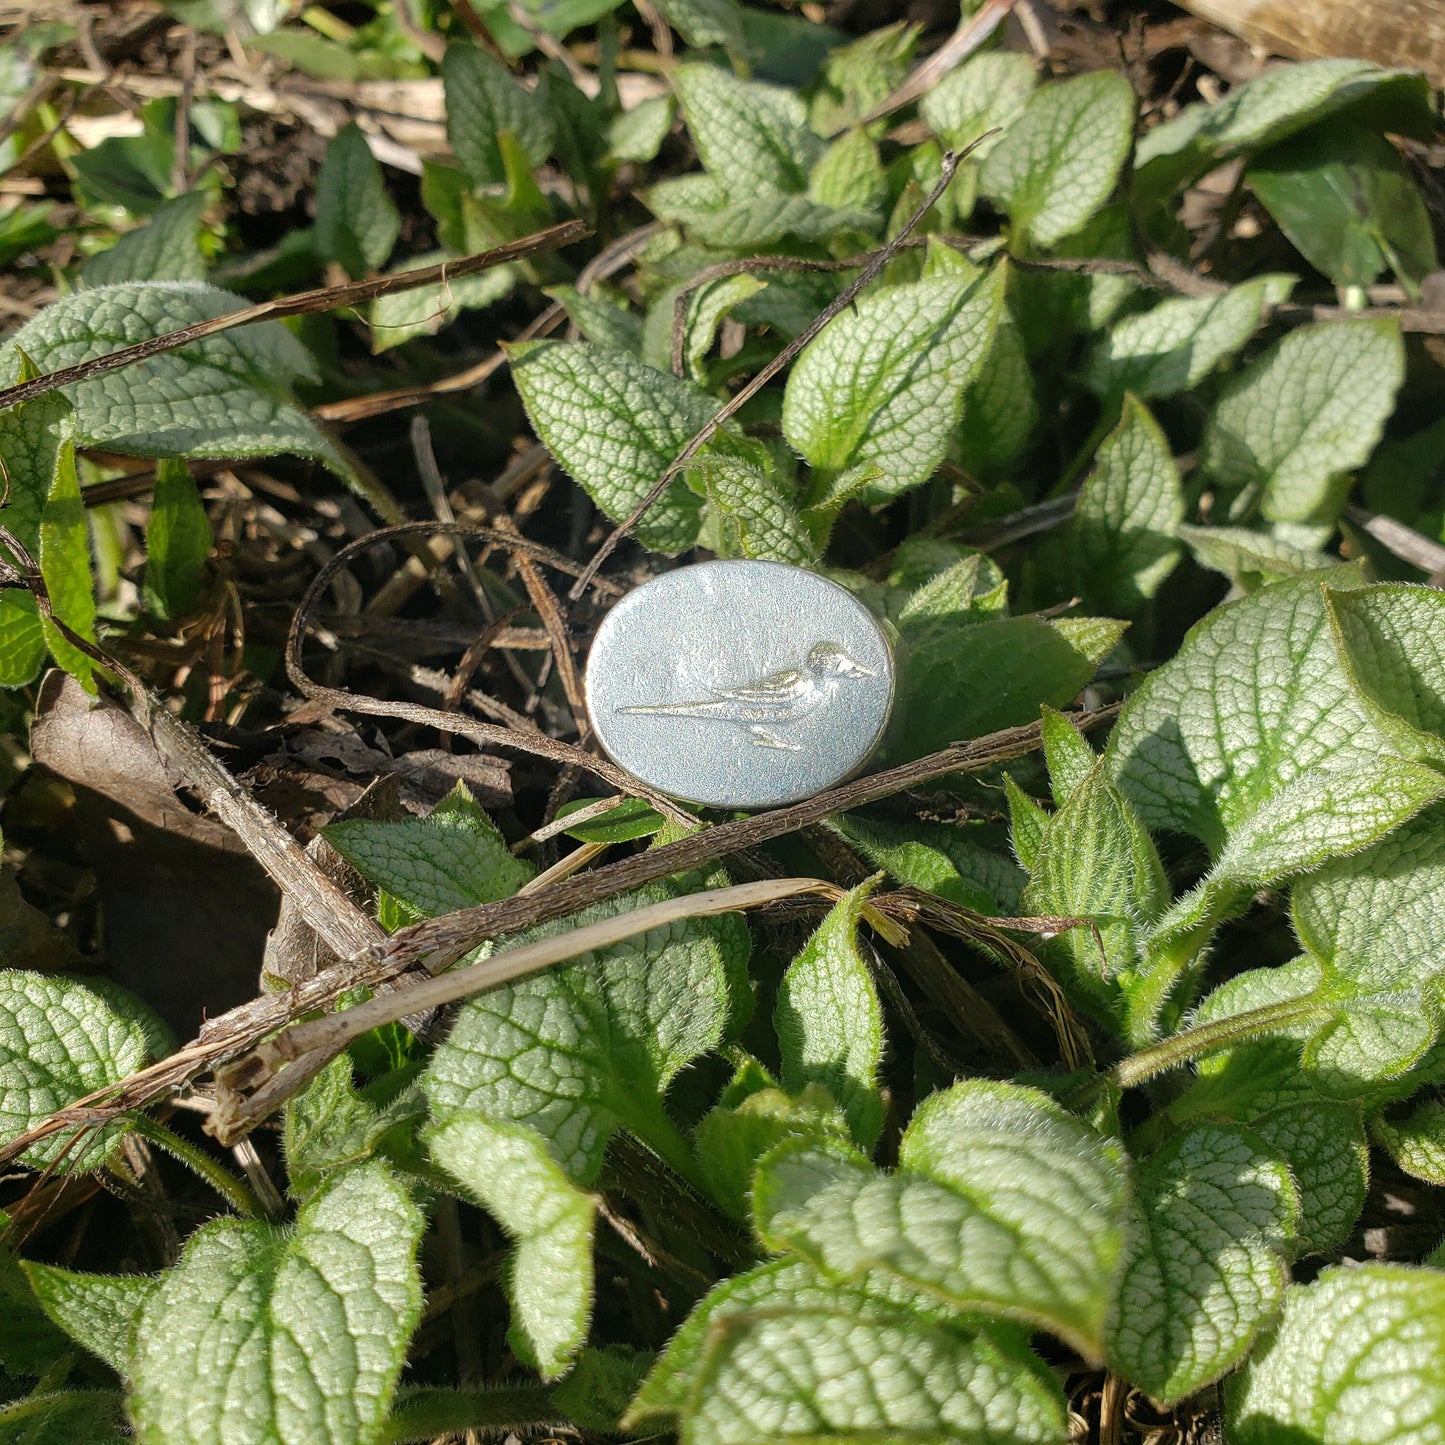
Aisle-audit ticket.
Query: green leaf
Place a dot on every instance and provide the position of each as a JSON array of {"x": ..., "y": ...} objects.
[
  {"x": 1207, "y": 1273},
  {"x": 706, "y": 22},
  {"x": 1377, "y": 916},
  {"x": 60, "y": 1039},
  {"x": 987, "y": 92},
  {"x": 1057, "y": 163},
  {"x": 637, "y": 135},
  {"x": 357, "y": 222},
  {"x": 707, "y": 308},
  {"x": 849, "y": 175},
  {"x": 132, "y": 172},
  {"x": 732, "y": 1137},
  {"x": 1275, "y": 105},
  {"x": 221, "y": 397},
  {"x": 1391, "y": 643},
  {"x": 1095, "y": 860},
  {"x": 425, "y": 310},
  {"x": 615, "y": 425},
  {"x": 96, "y": 1310},
  {"x": 1027, "y": 824},
  {"x": 750, "y": 137},
  {"x": 963, "y": 588},
  {"x": 1416, "y": 1142},
  {"x": 758, "y": 517},
  {"x": 829, "y": 1022},
  {"x": 508, "y": 1169},
  {"x": 1373, "y": 1039},
  {"x": 312, "y": 54},
  {"x": 1347, "y": 202},
  {"x": 454, "y": 858},
  {"x": 1067, "y": 753},
  {"x": 61, "y": 1417},
  {"x": 595, "y": 1394},
  {"x": 556, "y": 17},
  {"x": 1254, "y": 697},
  {"x": 880, "y": 390},
  {"x": 586, "y": 125},
  {"x": 763, "y": 215},
  {"x": 22, "y": 639},
  {"x": 1173, "y": 346},
  {"x": 1308, "y": 410},
  {"x": 778, "y": 1354},
  {"x": 329, "y": 1125},
  {"x": 1357, "y": 1041},
  {"x": 1250, "y": 559},
  {"x": 1323, "y": 1143},
  {"x": 1120, "y": 544},
  {"x": 630, "y": 818},
  {"x": 584, "y": 1047},
  {"x": 858, "y": 77},
  {"x": 969, "y": 678},
  {"x": 33, "y": 437},
  {"x": 1002, "y": 1203},
  {"x": 166, "y": 248},
  {"x": 65, "y": 567},
  {"x": 938, "y": 858},
  {"x": 1260, "y": 1083},
  {"x": 29, "y": 1343},
  {"x": 1359, "y": 1355},
  {"x": 999, "y": 406},
  {"x": 1317, "y": 816},
  {"x": 601, "y": 316},
  {"x": 284, "y": 1334},
  {"x": 483, "y": 101},
  {"x": 178, "y": 542}
]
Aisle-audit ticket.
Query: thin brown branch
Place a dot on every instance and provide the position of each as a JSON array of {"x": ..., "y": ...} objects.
[
  {"x": 745, "y": 267},
  {"x": 268, "y": 1071},
  {"x": 440, "y": 941},
  {"x": 610, "y": 259},
  {"x": 324, "y": 298},
  {"x": 782, "y": 360},
  {"x": 1402, "y": 541},
  {"x": 489, "y": 734}
]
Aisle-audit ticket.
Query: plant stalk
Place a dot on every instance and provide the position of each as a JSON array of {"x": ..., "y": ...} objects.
[{"x": 231, "y": 1187}]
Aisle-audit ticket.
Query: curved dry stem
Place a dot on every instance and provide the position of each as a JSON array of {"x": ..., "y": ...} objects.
[{"x": 538, "y": 744}]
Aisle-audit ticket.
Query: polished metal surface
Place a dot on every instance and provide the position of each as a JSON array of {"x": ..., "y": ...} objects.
[{"x": 740, "y": 684}]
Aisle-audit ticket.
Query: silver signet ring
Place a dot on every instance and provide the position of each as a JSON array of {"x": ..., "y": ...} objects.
[{"x": 740, "y": 684}]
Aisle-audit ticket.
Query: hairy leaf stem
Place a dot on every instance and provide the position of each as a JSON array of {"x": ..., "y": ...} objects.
[
  {"x": 1180, "y": 1048},
  {"x": 231, "y": 1187}
]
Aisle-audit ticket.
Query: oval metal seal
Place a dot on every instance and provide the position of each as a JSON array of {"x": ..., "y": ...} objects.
[{"x": 740, "y": 684}]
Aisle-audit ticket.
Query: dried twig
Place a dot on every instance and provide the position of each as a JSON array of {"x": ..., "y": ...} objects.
[
  {"x": 324, "y": 907},
  {"x": 607, "y": 261},
  {"x": 1404, "y": 542},
  {"x": 324, "y": 298},
  {"x": 326, "y": 1037},
  {"x": 489, "y": 734},
  {"x": 972, "y": 31},
  {"x": 440, "y": 941},
  {"x": 783, "y": 359}
]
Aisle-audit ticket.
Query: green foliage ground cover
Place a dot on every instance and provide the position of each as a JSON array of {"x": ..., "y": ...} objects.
[{"x": 751, "y": 1180}]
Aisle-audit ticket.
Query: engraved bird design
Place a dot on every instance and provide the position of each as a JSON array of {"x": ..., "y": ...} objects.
[{"x": 779, "y": 698}]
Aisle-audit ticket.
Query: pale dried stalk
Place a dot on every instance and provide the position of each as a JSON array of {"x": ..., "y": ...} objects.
[
  {"x": 316, "y": 1042},
  {"x": 439, "y": 941}
]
